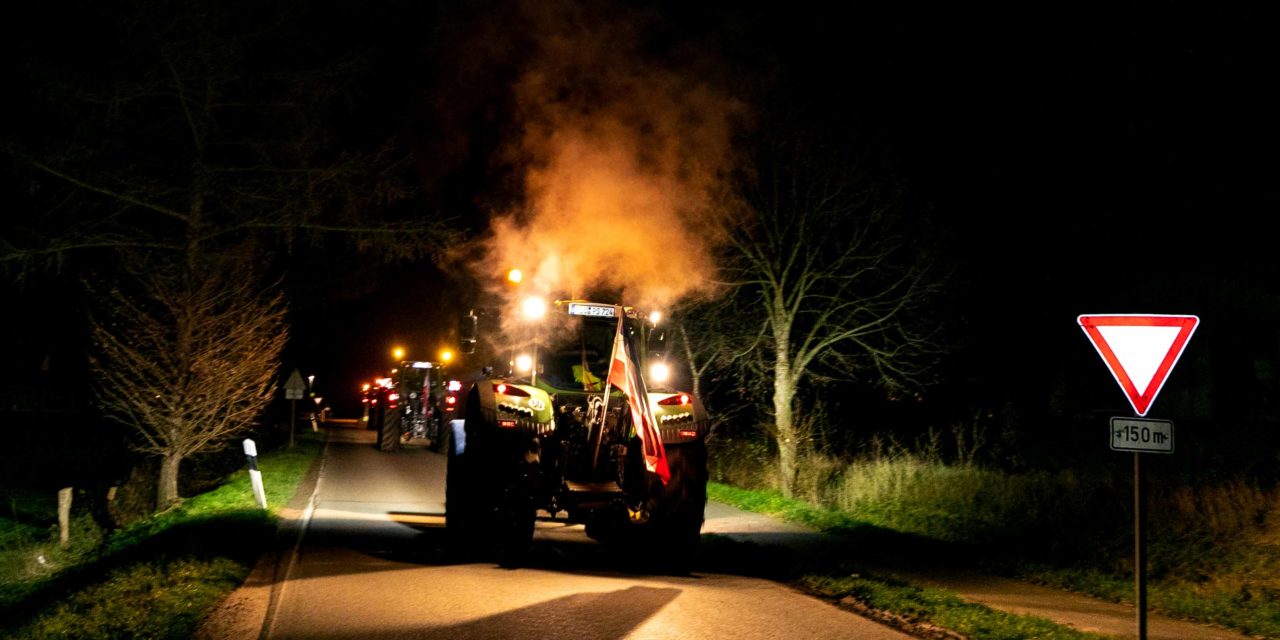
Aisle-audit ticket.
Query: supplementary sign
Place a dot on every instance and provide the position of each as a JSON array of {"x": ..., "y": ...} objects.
[
  {"x": 1140, "y": 350},
  {"x": 1143, "y": 435}
]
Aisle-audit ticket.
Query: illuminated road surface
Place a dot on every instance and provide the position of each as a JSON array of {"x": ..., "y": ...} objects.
[{"x": 372, "y": 564}]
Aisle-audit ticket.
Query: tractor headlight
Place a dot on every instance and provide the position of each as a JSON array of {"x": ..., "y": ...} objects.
[
  {"x": 534, "y": 308},
  {"x": 524, "y": 363}
]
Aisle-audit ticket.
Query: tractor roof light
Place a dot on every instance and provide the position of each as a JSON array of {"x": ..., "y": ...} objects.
[
  {"x": 524, "y": 363},
  {"x": 534, "y": 308}
]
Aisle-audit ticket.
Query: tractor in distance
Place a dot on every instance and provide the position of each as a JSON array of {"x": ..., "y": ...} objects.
[{"x": 408, "y": 405}]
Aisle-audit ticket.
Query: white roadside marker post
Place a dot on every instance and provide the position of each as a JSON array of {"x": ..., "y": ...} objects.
[{"x": 255, "y": 476}]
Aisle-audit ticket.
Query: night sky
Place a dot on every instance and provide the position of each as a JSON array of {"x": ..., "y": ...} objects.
[{"x": 1075, "y": 159}]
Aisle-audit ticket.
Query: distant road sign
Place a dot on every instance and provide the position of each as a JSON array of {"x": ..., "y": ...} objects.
[
  {"x": 1142, "y": 435},
  {"x": 294, "y": 386},
  {"x": 1140, "y": 350}
]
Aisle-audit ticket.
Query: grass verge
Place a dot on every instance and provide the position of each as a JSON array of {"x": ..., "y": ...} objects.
[
  {"x": 1250, "y": 606},
  {"x": 924, "y": 612},
  {"x": 159, "y": 577},
  {"x": 930, "y": 611},
  {"x": 921, "y": 612},
  {"x": 1240, "y": 592}
]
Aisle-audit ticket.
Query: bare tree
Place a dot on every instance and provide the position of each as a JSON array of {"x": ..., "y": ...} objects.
[
  {"x": 200, "y": 127},
  {"x": 199, "y": 137},
  {"x": 837, "y": 282},
  {"x": 187, "y": 358},
  {"x": 698, "y": 339},
  {"x": 699, "y": 355},
  {"x": 708, "y": 334}
]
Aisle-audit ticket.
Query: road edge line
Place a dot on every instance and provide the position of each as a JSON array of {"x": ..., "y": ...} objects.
[{"x": 281, "y": 581}]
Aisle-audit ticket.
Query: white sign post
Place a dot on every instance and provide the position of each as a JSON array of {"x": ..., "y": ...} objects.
[
  {"x": 1140, "y": 350},
  {"x": 255, "y": 476}
]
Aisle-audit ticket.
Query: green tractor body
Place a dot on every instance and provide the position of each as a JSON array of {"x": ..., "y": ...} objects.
[{"x": 553, "y": 438}]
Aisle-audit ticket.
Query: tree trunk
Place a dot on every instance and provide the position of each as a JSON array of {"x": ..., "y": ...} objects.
[
  {"x": 167, "y": 490},
  {"x": 784, "y": 393},
  {"x": 695, "y": 365},
  {"x": 788, "y": 447}
]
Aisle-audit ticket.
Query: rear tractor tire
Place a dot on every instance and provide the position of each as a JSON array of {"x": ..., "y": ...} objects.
[
  {"x": 677, "y": 509},
  {"x": 461, "y": 498},
  {"x": 389, "y": 430}
]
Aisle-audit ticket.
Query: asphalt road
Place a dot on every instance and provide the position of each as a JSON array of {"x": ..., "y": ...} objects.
[{"x": 370, "y": 562}]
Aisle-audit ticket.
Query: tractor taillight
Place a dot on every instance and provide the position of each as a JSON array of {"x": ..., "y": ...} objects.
[
  {"x": 508, "y": 390},
  {"x": 679, "y": 399}
]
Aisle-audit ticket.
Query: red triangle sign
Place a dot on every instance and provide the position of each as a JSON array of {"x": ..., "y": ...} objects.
[{"x": 1139, "y": 349}]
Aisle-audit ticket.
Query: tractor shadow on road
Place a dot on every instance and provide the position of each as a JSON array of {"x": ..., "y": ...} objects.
[
  {"x": 627, "y": 609},
  {"x": 421, "y": 539},
  {"x": 559, "y": 546}
]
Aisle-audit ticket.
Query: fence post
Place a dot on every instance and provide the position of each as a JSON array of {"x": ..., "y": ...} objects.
[{"x": 64, "y": 515}]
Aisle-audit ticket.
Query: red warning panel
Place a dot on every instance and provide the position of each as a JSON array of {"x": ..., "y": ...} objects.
[{"x": 1139, "y": 349}]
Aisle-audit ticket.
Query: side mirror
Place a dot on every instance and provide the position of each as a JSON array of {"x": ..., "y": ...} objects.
[{"x": 468, "y": 327}]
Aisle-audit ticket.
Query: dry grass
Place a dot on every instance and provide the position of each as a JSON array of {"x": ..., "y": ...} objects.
[{"x": 1215, "y": 548}]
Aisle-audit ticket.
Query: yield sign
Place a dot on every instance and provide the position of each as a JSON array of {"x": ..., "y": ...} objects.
[{"x": 1140, "y": 350}]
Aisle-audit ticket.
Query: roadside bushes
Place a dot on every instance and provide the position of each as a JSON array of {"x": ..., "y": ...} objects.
[
  {"x": 153, "y": 578},
  {"x": 1077, "y": 516},
  {"x": 30, "y": 551},
  {"x": 1214, "y": 539},
  {"x": 743, "y": 462}
]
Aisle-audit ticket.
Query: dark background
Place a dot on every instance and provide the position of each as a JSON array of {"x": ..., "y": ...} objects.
[{"x": 1074, "y": 159}]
